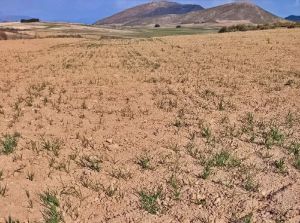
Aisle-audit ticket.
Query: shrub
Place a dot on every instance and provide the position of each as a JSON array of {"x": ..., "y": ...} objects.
[
  {"x": 156, "y": 25},
  {"x": 244, "y": 27},
  {"x": 3, "y": 35},
  {"x": 223, "y": 29},
  {"x": 29, "y": 20}
]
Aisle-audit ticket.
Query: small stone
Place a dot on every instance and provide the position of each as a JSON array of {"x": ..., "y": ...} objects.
[{"x": 264, "y": 193}]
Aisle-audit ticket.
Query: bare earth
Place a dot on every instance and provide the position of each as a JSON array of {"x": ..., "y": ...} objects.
[{"x": 172, "y": 129}]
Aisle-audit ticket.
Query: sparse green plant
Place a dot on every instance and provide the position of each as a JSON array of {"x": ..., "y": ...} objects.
[
  {"x": 249, "y": 184},
  {"x": 289, "y": 83},
  {"x": 30, "y": 202},
  {"x": 179, "y": 123},
  {"x": 90, "y": 162},
  {"x": 1, "y": 110},
  {"x": 51, "y": 213},
  {"x": 273, "y": 137},
  {"x": 90, "y": 184},
  {"x": 53, "y": 146},
  {"x": 18, "y": 111},
  {"x": 192, "y": 135},
  {"x": 192, "y": 150},
  {"x": 280, "y": 165},
  {"x": 175, "y": 185},
  {"x": 144, "y": 162},
  {"x": 250, "y": 118},
  {"x": 174, "y": 147},
  {"x": 63, "y": 166},
  {"x": 149, "y": 200},
  {"x": 297, "y": 163},
  {"x": 85, "y": 142},
  {"x": 224, "y": 158},
  {"x": 167, "y": 104},
  {"x": 73, "y": 156},
  {"x": 289, "y": 119},
  {"x": 29, "y": 101},
  {"x": 110, "y": 191},
  {"x": 201, "y": 202},
  {"x": 11, "y": 220},
  {"x": 206, "y": 172},
  {"x": 206, "y": 133},
  {"x": 51, "y": 162},
  {"x": 3, "y": 190},
  {"x": 30, "y": 176},
  {"x": 221, "y": 105},
  {"x": 45, "y": 101},
  {"x": 9, "y": 143},
  {"x": 121, "y": 174},
  {"x": 83, "y": 105},
  {"x": 17, "y": 157},
  {"x": 249, "y": 125},
  {"x": 247, "y": 218},
  {"x": 295, "y": 148}
]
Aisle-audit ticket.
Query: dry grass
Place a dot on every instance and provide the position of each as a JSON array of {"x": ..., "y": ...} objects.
[{"x": 173, "y": 129}]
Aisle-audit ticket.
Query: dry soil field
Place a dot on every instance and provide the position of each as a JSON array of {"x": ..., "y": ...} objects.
[{"x": 172, "y": 129}]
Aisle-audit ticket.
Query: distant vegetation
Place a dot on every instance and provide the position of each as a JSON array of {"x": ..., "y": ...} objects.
[
  {"x": 3, "y": 35},
  {"x": 294, "y": 18},
  {"x": 29, "y": 20},
  {"x": 243, "y": 27}
]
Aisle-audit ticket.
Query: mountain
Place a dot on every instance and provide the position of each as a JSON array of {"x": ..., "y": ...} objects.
[
  {"x": 239, "y": 11},
  {"x": 12, "y": 18},
  {"x": 294, "y": 18},
  {"x": 170, "y": 13},
  {"x": 149, "y": 11}
]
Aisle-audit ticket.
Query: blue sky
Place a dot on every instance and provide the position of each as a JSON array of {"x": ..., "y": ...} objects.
[{"x": 91, "y": 10}]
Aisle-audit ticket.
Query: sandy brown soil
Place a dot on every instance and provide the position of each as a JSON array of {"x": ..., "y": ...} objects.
[{"x": 173, "y": 129}]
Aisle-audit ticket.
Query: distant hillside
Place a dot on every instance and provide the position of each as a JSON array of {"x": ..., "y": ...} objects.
[
  {"x": 166, "y": 13},
  {"x": 293, "y": 18},
  {"x": 233, "y": 12},
  {"x": 149, "y": 11}
]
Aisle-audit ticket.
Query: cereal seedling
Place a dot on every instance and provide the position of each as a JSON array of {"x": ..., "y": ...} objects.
[
  {"x": 280, "y": 165},
  {"x": 9, "y": 144},
  {"x": 51, "y": 204},
  {"x": 92, "y": 163},
  {"x": 53, "y": 146},
  {"x": 206, "y": 172},
  {"x": 250, "y": 185},
  {"x": 144, "y": 162},
  {"x": 3, "y": 190},
  {"x": 11, "y": 220},
  {"x": 149, "y": 200},
  {"x": 30, "y": 176}
]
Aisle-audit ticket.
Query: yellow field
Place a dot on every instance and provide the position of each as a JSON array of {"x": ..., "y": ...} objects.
[{"x": 172, "y": 129}]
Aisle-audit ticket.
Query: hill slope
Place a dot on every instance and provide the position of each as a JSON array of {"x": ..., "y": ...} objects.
[
  {"x": 173, "y": 13},
  {"x": 233, "y": 12},
  {"x": 294, "y": 18},
  {"x": 149, "y": 11}
]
